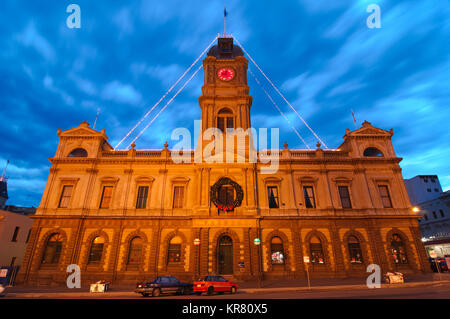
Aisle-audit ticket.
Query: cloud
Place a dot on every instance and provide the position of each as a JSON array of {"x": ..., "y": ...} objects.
[
  {"x": 30, "y": 37},
  {"x": 121, "y": 93}
]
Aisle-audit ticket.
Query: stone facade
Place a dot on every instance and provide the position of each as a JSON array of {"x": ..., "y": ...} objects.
[{"x": 172, "y": 221}]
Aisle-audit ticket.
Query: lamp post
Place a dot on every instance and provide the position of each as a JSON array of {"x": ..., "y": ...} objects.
[
  {"x": 197, "y": 243},
  {"x": 257, "y": 243}
]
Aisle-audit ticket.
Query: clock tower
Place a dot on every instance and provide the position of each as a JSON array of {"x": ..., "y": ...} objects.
[{"x": 225, "y": 101}]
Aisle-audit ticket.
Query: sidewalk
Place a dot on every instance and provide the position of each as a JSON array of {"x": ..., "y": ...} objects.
[{"x": 244, "y": 287}]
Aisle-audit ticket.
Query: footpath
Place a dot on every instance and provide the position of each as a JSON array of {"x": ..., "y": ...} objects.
[{"x": 244, "y": 287}]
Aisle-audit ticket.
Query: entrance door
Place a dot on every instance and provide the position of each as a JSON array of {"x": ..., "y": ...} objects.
[{"x": 225, "y": 256}]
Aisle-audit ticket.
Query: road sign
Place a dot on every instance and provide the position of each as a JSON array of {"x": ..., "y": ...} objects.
[
  {"x": 196, "y": 241},
  {"x": 257, "y": 241},
  {"x": 306, "y": 259}
]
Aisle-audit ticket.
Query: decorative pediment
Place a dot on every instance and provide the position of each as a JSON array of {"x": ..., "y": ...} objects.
[
  {"x": 368, "y": 130},
  {"x": 83, "y": 130}
]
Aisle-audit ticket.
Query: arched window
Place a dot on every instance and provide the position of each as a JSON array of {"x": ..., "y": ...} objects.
[
  {"x": 372, "y": 152},
  {"x": 277, "y": 252},
  {"x": 315, "y": 246},
  {"x": 398, "y": 250},
  {"x": 78, "y": 152},
  {"x": 95, "y": 254},
  {"x": 52, "y": 250},
  {"x": 354, "y": 250},
  {"x": 135, "y": 252},
  {"x": 225, "y": 119},
  {"x": 174, "y": 250}
]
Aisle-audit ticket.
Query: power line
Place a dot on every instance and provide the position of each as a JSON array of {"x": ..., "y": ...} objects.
[
  {"x": 165, "y": 94},
  {"x": 170, "y": 101},
  {"x": 279, "y": 110},
  {"x": 276, "y": 89}
]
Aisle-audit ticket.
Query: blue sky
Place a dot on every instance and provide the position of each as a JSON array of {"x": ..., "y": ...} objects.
[{"x": 126, "y": 55}]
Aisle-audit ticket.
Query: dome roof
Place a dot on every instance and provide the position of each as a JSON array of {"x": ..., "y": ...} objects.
[{"x": 225, "y": 49}]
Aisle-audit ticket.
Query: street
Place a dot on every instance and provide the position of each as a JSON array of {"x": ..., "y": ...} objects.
[{"x": 432, "y": 291}]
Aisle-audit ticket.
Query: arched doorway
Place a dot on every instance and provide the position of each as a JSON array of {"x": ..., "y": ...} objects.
[{"x": 225, "y": 255}]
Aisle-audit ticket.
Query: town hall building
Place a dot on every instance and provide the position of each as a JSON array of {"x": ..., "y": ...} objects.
[{"x": 126, "y": 216}]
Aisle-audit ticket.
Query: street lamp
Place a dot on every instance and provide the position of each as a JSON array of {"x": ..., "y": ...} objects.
[
  {"x": 257, "y": 243},
  {"x": 416, "y": 209}
]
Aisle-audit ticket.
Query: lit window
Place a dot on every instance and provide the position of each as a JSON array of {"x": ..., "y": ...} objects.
[
  {"x": 354, "y": 250},
  {"x": 277, "y": 252},
  {"x": 135, "y": 253},
  {"x": 95, "y": 254},
  {"x": 316, "y": 251},
  {"x": 398, "y": 250},
  {"x": 174, "y": 250}
]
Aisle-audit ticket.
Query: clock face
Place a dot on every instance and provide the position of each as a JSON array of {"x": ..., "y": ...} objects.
[{"x": 225, "y": 74}]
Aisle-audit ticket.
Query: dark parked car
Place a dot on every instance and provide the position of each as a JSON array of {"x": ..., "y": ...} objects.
[{"x": 163, "y": 284}]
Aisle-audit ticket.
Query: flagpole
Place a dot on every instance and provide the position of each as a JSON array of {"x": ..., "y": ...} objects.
[
  {"x": 354, "y": 120},
  {"x": 224, "y": 21}
]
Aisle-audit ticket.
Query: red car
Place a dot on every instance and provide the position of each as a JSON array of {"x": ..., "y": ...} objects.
[{"x": 214, "y": 283}]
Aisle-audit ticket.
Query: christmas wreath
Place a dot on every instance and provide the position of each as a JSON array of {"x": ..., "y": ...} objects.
[{"x": 214, "y": 192}]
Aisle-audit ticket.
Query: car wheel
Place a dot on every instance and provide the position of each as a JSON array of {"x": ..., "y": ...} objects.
[
  {"x": 186, "y": 291},
  {"x": 233, "y": 290},
  {"x": 199, "y": 293},
  {"x": 144, "y": 295},
  {"x": 210, "y": 291},
  {"x": 156, "y": 292}
]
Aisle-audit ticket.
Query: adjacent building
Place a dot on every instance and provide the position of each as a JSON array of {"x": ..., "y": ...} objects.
[
  {"x": 426, "y": 192},
  {"x": 130, "y": 215}
]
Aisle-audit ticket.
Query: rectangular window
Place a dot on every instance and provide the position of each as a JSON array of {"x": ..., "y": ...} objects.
[
  {"x": 272, "y": 192},
  {"x": 174, "y": 253},
  {"x": 106, "y": 197},
  {"x": 141, "y": 201},
  {"x": 434, "y": 215},
  {"x": 345, "y": 197},
  {"x": 16, "y": 233},
  {"x": 65, "y": 196},
  {"x": 385, "y": 197},
  {"x": 442, "y": 213},
  {"x": 28, "y": 236},
  {"x": 178, "y": 196},
  {"x": 309, "y": 197}
]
